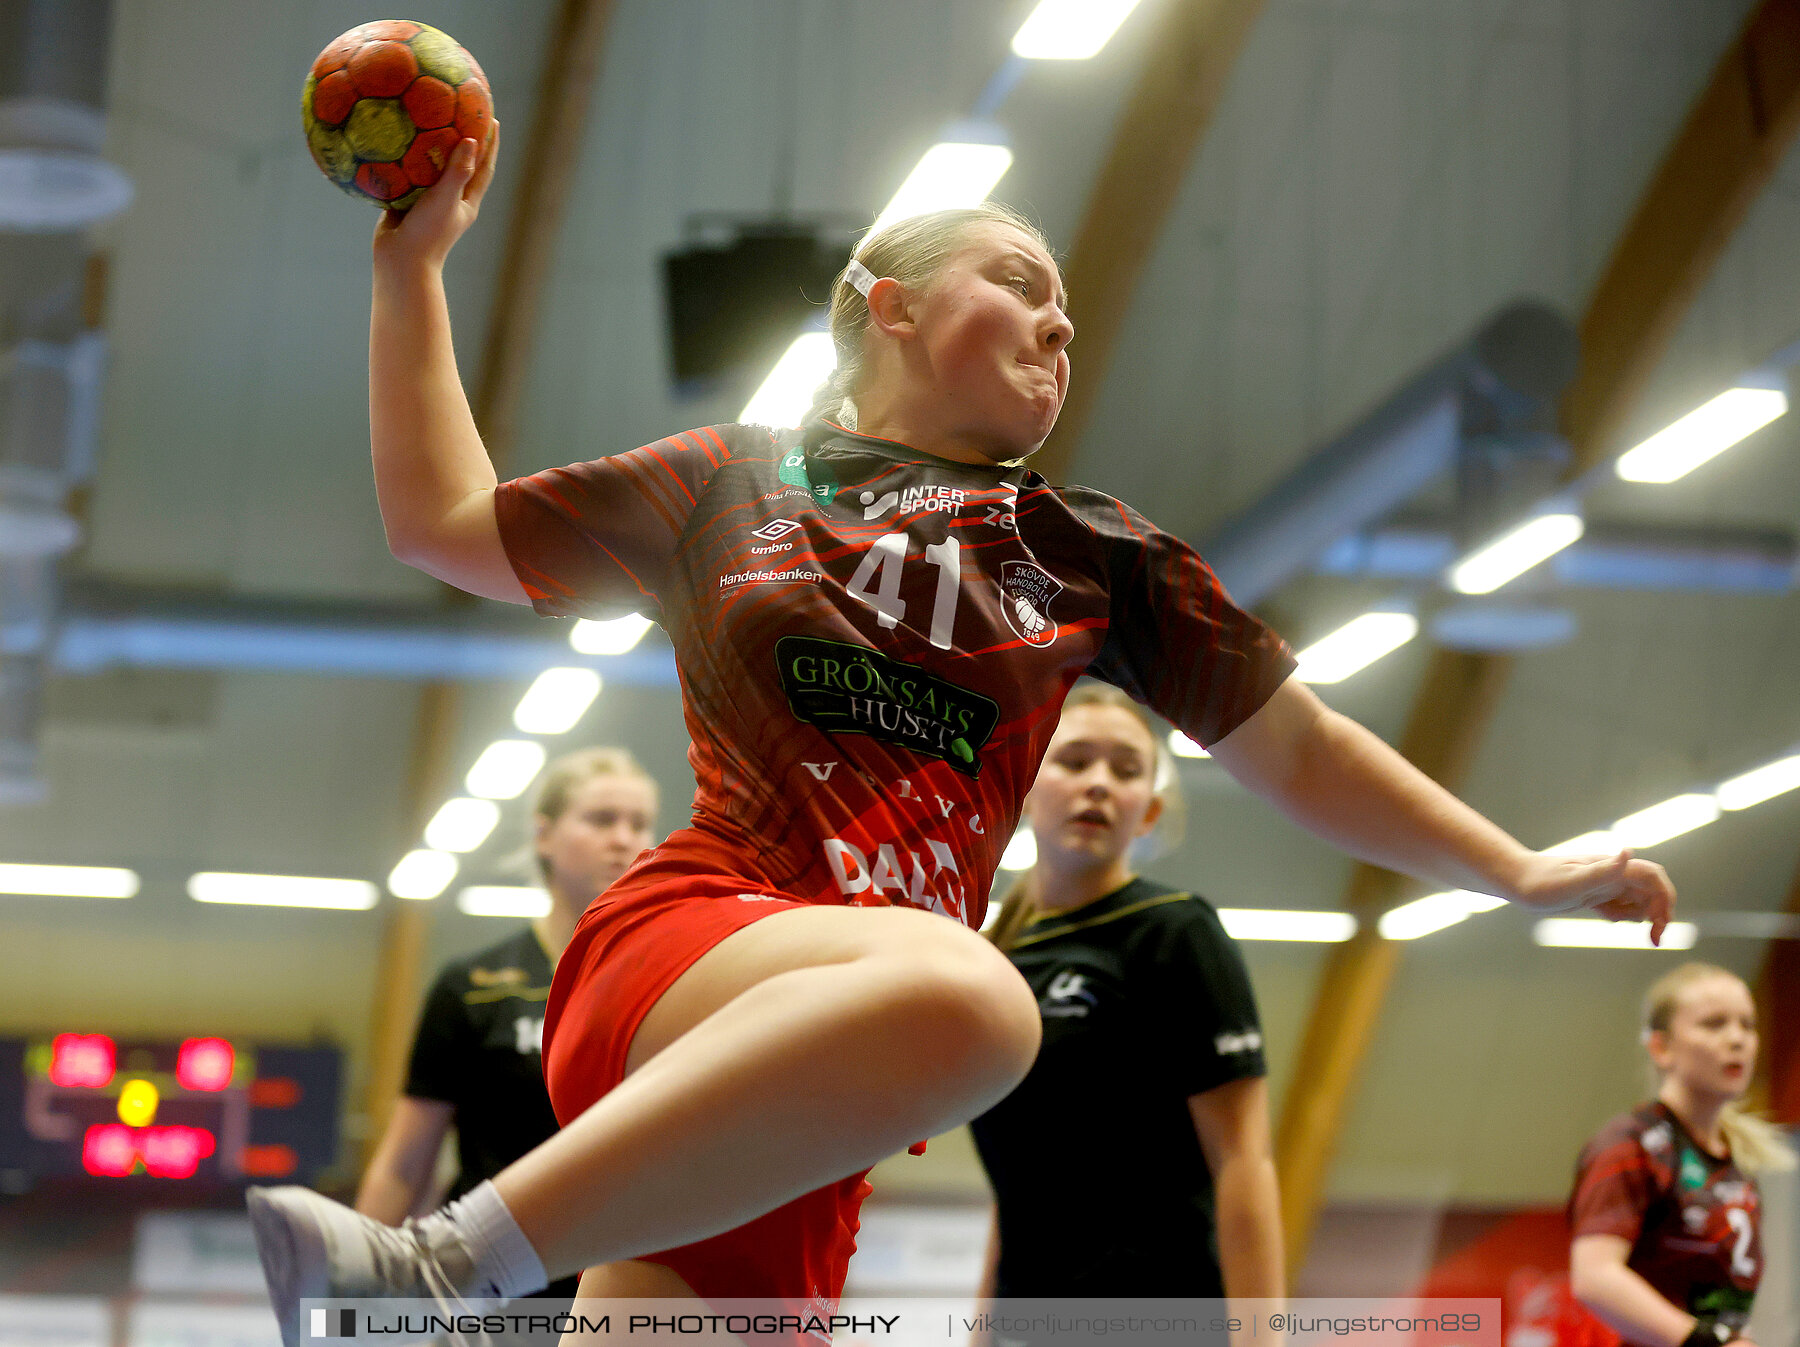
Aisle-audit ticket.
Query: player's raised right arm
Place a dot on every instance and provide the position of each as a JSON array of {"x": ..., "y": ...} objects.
[{"x": 432, "y": 473}]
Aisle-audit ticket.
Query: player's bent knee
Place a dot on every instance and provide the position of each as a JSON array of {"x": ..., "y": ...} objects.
[{"x": 971, "y": 1021}]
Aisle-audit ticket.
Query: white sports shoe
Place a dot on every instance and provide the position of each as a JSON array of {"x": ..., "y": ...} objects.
[{"x": 314, "y": 1248}]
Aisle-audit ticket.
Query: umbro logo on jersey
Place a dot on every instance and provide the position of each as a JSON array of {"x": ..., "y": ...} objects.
[
  {"x": 775, "y": 530},
  {"x": 1228, "y": 1045}
]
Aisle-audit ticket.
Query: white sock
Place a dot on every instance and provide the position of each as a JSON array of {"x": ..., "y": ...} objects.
[{"x": 505, "y": 1262}]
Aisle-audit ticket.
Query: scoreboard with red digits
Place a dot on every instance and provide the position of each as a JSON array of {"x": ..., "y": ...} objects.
[{"x": 207, "y": 1108}]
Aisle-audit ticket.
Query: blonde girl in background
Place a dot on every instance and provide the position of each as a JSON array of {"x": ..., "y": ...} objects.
[
  {"x": 1134, "y": 1158},
  {"x": 477, "y": 1058},
  {"x": 1666, "y": 1216}
]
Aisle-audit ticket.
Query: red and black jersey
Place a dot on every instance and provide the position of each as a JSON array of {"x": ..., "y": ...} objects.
[
  {"x": 1693, "y": 1218},
  {"x": 874, "y": 644}
]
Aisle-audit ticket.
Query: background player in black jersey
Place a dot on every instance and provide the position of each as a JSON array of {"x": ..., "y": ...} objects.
[
  {"x": 788, "y": 1034},
  {"x": 1665, "y": 1211},
  {"x": 1134, "y": 1158},
  {"x": 477, "y": 1060}
]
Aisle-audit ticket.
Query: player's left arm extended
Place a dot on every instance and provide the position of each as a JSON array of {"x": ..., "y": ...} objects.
[
  {"x": 1232, "y": 1123},
  {"x": 1338, "y": 780}
]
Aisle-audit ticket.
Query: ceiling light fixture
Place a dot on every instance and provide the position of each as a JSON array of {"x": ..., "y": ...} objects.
[
  {"x": 1596, "y": 933},
  {"x": 1702, "y": 434},
  {"x": 461, "y": 824},
  {"x": 422, "y": 874},
  {"x": 1070, "y": 30},
  {"x": 614, "y": 637},
  {"x": 1265, "y": 923},
  {"x": 1669, "y": 819},
  {"x": 952, "y": 173},
  {"x": 1512, "y": 554},
  {"x": 505, "y": 768},
  {"x": 68, "y": 881},
  {"x": 556, "y": 700},
  {"x": 503, "y": 900},
  {"x": 1354, "y": 646},
  {"x": 1764, "y": 783},
  {"x": 215, "y": 886},
  {"x": 788, "y": 391},
  {"x": 1434, "y": 912}
]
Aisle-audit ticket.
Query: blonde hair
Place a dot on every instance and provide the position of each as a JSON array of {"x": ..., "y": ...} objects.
[
  {"x": 1017, "y": 910},
  {"x": 1755, "y": 1144},
  {"x": 566, "y": 774},
  {"x": 911, "y": 251}
]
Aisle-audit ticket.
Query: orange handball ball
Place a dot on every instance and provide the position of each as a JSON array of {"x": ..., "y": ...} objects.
[{"x": 386, "y": 103}]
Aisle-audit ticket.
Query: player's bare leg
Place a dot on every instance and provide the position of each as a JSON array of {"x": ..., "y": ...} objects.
[
  {"x": 626, "y": 1280},
  {"x": 798, "y": 1050}
]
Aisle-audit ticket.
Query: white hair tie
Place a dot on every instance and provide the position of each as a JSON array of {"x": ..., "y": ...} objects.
[{"x": 861, "y": 277}]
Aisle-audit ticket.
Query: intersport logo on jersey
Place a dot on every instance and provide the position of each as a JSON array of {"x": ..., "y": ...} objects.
[{"x": 851, "y": 689}]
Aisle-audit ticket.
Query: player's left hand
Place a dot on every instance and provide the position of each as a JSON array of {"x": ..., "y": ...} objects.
[{"x": 1619, "y": 888}]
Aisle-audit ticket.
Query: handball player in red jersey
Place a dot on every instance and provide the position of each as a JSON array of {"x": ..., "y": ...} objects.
[
  {"x": 1666, "y": 1215},
  {"x": 876, "y": 618}
]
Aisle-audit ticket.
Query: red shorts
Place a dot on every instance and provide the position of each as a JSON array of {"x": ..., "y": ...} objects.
[{"x": 626, "y": 952}]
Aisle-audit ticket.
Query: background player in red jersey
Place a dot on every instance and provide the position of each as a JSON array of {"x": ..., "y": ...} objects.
[
  {"x": 1134, "y": 1158},
  {"x": 768, "y": 1004},
  {"x": 1667, "y": 1220}
]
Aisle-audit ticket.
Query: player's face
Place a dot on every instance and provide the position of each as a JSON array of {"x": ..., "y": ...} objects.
[
  {"x": 1096, "y": 791},
  {"x": 590, "y": 844},
  {"x": 1710, "y": 1044},
  {"x": 995, "y": 336}
]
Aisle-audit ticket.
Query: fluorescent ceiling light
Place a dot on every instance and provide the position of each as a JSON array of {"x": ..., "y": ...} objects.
[
  {"x": 1702, "y": 434},
  {"x": 1485, "y": 570},
  {"x": 1434, "y": 912},
  {"x": 68, "y": 881},
  {"x": 1765, "y": 783},
  {"x": 1669, "y": 819},
  {"x": 786, "y": 394},
  {"x": 1183, "y": 747},
  {"x": 556, "y": 700},
  {"x": 503, "y": 900},
  {"x": 1262, "y": 923},
  {"x": 1355, "y": 645},
  {"x": 505, "y": 768},
  {"x": 351, "y": 895},
  {"x": 422, "y": 874},
  {"x": 614, "y": 637},
  {"x": 951, "y": 174},
  {"x": 1070, "y": 30},
  {"x": 461, "y": 824},
  {"x": 1021, "y": 852},
  {"x": 1600, "y": 842},
  {"x": 1594, "y": 933}
]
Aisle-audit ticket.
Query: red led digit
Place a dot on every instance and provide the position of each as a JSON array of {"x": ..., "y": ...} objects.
[
  {"x": 109, "y": 1150},
  {"x": 175, "y": 1152},
  {"x": 205, "y": 1064},
  {"x": 81, "y": 1061}
]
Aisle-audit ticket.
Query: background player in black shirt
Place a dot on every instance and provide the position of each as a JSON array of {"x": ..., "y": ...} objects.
[
  {"x": 1134, "y": 1158},
  {"x": 1666, "y": 1216},
  {"x": 477, "y": 1062}
]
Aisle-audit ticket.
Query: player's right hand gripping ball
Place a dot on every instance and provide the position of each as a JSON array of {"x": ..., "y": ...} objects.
[{"x": 386, "y": 103}]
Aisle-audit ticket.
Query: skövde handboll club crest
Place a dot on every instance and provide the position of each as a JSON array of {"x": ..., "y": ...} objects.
[{"x": 1026, "y": 592}]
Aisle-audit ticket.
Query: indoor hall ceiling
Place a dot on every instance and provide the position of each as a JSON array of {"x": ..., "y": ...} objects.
[{"x": 1380, "y": 176}]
